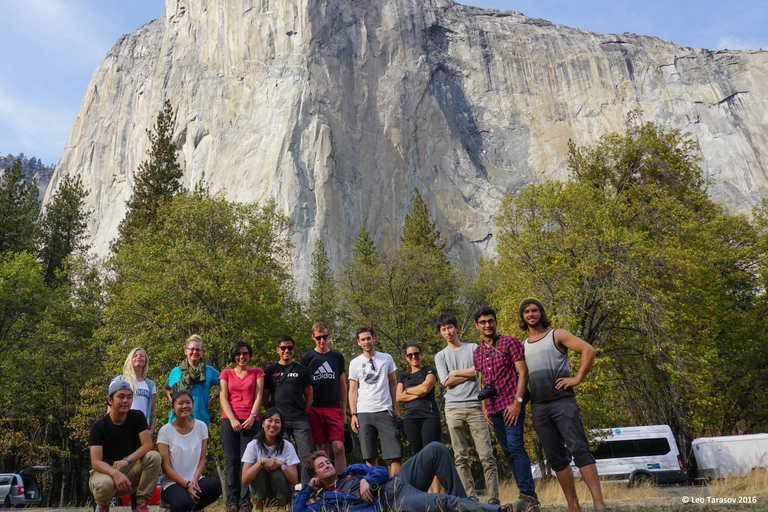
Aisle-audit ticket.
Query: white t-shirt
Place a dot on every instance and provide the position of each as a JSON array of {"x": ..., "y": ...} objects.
[
  {"x": 184, "y": 450},
  {"x": 254, "y": 453},
  {"x": 373, "y": 393},
  {"x": 141, "y": 398}
]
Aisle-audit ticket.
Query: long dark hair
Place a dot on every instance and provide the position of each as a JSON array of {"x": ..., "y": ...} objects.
[{"x": 262, "y": 436}]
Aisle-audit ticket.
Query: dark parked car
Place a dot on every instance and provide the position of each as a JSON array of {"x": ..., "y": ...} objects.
[{"x": 22, "y": 488}]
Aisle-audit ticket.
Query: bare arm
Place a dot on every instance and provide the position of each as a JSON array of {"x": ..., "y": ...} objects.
[
  {"x": 581, "y": 347},
  {"x": 512, "y": 413},
  {"x": 258, "y": 396},
  {"x": 393, "y": 393},
  {"x": 225, "y": 407},
  {"x": 167, "y": 391},
  {"x": 309, "y": 396},
  {"x": 460, "y": 376},
  {"x": 353, "y": 384},
  {"x": 343, "y": 393},
  {"x": 423, "y": 388},
  {"x": 153, "y": 415}
]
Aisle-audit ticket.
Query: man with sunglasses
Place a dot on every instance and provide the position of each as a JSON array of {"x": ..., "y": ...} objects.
[
  {"x": 328, "y": 413},
  {"x": 290, "y": 386},
  {"x": 500, "y": 361},
  {"x": 373, "y": 403}
]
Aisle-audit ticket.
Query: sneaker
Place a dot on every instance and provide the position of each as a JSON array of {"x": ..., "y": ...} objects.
[
  {"x": 526, "y": 503},
  {"x": 101, "y": 509},
  {"x": 231, "y": 507},
  {"x": 141, "y": 508},
  {"x": 494, "y": 501}
]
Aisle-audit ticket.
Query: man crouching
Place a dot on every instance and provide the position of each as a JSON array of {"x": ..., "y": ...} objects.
[{"x": 121, "y": 452}]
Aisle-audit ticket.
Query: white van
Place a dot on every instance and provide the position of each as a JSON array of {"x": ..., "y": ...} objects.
[
  {"x": 719, "y": 457},
  {"x": 635, "y": 455},
  {"x": 639, "y": 455}
]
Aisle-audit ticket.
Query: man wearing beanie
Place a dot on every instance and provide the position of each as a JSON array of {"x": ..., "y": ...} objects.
[
  {"x": 556, "y": 416},
  {"x": 121, "y": 452}
]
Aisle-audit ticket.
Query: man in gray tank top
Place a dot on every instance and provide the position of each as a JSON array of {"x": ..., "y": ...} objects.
[
  {"x": 463, "y": 410},
  {"x": 556, "y": 416}
]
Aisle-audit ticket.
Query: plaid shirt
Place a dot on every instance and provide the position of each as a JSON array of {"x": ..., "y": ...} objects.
[{"x": 498, "y": 368}]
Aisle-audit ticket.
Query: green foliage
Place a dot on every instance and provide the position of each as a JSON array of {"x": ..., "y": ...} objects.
[
  {"x": 62, "y": 229},
  {"x": 418, "y": 231},
  {"x": 157, "y": 180},
  {"x": 18, "y": 210},
  {"x": 208, "y": 267},
  {"x": 634, "y": 258},
  {"x": 401, "y": 292},
  {"x": 23, "y": 296},
  {"x": 364, "y": 250},
  {"x": 323, "y": 294}
]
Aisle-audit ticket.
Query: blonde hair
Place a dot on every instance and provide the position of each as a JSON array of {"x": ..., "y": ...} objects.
[
  {"x": 194, "y": 337},
  {"x": 129, "y": 374}
]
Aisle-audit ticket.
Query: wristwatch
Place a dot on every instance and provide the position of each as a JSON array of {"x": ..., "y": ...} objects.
[
  {"x": 127, "y": 459},
  {"x": 519, "y": 399},
  {"x": 282, "y": 468}
]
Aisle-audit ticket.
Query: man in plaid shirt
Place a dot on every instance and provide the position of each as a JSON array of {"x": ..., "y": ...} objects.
[{"x": 500, "y": 362}]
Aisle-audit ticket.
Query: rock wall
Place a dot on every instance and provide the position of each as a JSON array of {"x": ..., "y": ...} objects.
[{"x": 339, "y": 108}]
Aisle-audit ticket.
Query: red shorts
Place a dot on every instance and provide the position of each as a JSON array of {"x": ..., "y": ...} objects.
[{"x": 326, "y": 424}]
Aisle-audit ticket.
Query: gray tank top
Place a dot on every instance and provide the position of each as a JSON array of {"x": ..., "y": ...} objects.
[{"x": 546, "y": 364}]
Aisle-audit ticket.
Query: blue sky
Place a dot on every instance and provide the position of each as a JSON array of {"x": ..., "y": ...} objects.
[{"x": 50, "y": 48}]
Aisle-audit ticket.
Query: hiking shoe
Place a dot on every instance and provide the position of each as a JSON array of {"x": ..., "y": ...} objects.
[
  {"x": 494, "y": 501},
  {"x": 526, "y": 503},
  {"x": 141, "y": 508}
]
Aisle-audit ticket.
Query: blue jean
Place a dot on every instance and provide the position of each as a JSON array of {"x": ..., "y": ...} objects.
[{"x": 510, "y": 438}]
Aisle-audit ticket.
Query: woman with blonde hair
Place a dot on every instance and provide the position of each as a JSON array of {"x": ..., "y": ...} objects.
[{"x": 144, "y": 391}]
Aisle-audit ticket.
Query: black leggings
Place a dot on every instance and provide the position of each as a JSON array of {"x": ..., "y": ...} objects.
[
  {"x": 421, "y": 432},
  {"x": 180, "y": 500}
]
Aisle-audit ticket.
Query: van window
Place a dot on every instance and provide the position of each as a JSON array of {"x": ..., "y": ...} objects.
[
  {"x": 631, "y": 448},
  {"x": 5, "y": 480}
]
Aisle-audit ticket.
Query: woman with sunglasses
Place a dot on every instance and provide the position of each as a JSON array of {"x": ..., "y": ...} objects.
[
  {"x": 416, "y": 390},
  {"x": 241, "y": 392}
]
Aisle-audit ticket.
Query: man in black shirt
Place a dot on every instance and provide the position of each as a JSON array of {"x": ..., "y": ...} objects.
[
  {"x": 121, "y": 452},
  {"x": 328, "y": 413},
  {"x": 290, "y": 385}
]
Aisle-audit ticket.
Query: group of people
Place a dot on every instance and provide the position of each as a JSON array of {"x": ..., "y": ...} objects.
[{"x": 485, "y": 386}]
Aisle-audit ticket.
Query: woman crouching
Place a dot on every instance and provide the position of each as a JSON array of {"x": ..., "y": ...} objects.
[
  {"x": 183, "y": 444},
  {"x": 269, "y": 463}
]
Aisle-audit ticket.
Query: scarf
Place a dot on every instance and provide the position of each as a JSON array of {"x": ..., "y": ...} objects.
[{"x": 191, "y": 375}]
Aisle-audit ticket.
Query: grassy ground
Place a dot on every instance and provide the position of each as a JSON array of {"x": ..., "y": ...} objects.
[{"x": 732, "y": 494}]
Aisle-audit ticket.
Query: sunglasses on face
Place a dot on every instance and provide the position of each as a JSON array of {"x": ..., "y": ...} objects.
[
  {"x": 242, "y": 354},
  {"x": 413, "y": 354},
  {"x": 322, "y": 337},
  {"x": 285, "y": 347}
]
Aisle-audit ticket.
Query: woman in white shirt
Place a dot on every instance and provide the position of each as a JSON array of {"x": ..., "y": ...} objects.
[
  {"x": 269, "y": 463},
  {"x": 183, "y": 444},
  {"x": 134, "y": 373}
]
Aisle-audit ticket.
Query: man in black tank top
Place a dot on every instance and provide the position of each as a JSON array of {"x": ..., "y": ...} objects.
[{"x": 556, "y": 416}]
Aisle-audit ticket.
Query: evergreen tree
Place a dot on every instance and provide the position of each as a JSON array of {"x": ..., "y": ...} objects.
[
  {"x": 18, "y": 210},
  {"x": 62, "y": 229},
  {"x": 157, "y": 180},
  {"x": 323, "y": 296},
  {"x": 364, "y": 250},
  {"x": 418, "y": 231}
]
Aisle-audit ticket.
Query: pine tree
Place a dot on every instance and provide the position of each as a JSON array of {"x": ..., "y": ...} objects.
[
  {"x": 18, "y": 210},
  {"x": 157, "y": 180},
  {"x": 62, "y": 229},
  {"x": 364, "y": 250},
  {"x": 418, "y": 231},
  {"x": 323, "y": 295}
]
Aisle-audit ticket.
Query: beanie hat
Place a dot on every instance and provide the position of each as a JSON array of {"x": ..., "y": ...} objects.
[{"x": 528, "y": 301}]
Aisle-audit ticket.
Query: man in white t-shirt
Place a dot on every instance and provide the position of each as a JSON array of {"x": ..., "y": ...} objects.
[{"x": 372, "y": 391}]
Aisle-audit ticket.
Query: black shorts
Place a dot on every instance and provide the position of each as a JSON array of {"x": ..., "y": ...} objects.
[{"x": 558, "y": 425}]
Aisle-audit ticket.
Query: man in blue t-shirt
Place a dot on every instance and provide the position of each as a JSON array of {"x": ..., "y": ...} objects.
[{"x": 196, "y": 377}]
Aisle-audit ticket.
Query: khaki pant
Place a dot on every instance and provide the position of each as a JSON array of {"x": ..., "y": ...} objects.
[
  {"x": 142, "y": 473},
  {"x": 471, "y": 418}
]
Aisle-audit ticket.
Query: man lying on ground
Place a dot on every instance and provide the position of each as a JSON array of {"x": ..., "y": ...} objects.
[{"x": 362, "y": 488}]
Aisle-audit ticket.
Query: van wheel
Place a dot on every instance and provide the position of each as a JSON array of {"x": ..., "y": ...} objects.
[
  {"x": 7, "y": 502},
  {"x": 641, "y": 480}
]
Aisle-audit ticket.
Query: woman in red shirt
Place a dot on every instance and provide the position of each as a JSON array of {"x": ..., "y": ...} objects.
[{"x": 241, "y": 391}]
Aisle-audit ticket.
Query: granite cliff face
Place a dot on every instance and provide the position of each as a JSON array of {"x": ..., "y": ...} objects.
[{"x": 339, "y": 108}]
